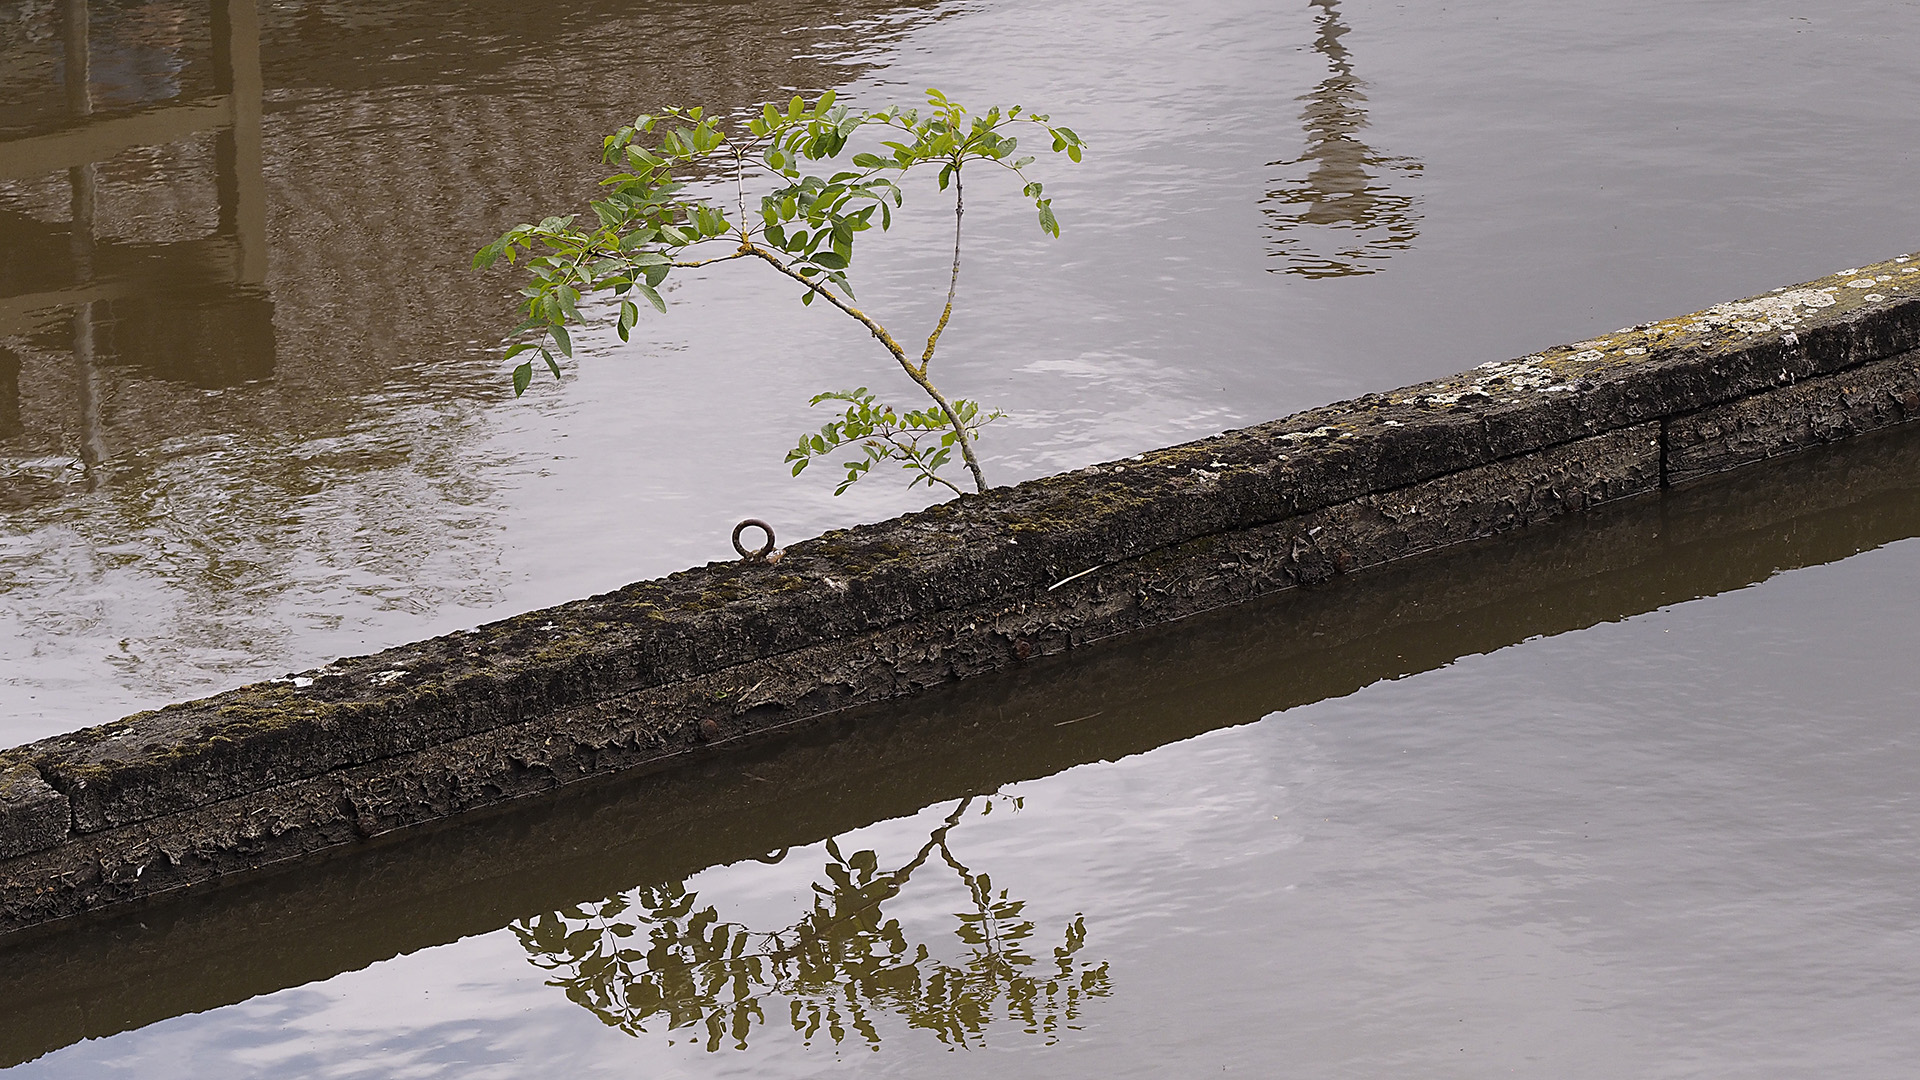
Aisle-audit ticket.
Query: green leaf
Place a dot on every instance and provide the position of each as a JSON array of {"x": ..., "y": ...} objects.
[
  {"x": 562, "y": 339},
  {"x": 653, "y": 297},
  {"x": 551, "y": 364},
  {"x": 1048, "y": 224},
  {"x": 522, "y": 378}
]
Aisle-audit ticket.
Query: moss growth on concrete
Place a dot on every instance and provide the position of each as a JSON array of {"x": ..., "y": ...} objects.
[{"x": 851, "y": 554}]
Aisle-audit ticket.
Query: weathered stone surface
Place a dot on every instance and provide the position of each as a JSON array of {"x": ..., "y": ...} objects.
[
  {"x": 33, "y": 815},
  {"x": 648, "y": 727},
  {"x": 374, "y": 743},
  {"x": 1793, "y": 418}
]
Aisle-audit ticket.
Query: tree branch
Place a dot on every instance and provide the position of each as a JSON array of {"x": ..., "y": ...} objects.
[
  {"x": 708, "y": 262},
  {"x": 913, "y": 371},
  {"x": 911, "y": 451},
  {"x": 953, "y": 282}
]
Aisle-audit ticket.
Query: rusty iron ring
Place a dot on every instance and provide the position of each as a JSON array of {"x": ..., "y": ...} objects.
[{"x": 765, "y": 549}]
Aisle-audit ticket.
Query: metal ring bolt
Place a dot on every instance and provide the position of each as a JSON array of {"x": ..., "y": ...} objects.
[{"x": 765, "y": 549}]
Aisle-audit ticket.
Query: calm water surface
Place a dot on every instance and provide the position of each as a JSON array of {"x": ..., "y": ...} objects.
[{"x": 1559, "y": 808}]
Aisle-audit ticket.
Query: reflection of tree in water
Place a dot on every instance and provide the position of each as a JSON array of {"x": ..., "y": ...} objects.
[
  {"x": 656, "y": 955},
  {"x": 1341, "y": 202}
]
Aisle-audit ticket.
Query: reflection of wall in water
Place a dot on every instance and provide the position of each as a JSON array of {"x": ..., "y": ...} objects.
[
  {"x": 162, "y": 310},
  {"x": 144, "y": 52},
  {"x": 207, "y": 338},
  {"x": 352, "y": 130},
  {"x": 399, "y": 141},
  {"x": 188, "y": 311},
  {"x": 1340, "y": 218}
]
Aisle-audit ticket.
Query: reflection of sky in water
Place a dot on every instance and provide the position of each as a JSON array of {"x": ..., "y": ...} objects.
[{"x": 381, "y": 485}]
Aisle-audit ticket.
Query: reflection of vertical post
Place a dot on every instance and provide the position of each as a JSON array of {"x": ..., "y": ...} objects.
[
  {"x": 10, "y": 423},
  {"x": 237, "y": 161},
  {"x": 93, "y": 443},
  {"x": 80, "y": 103},
  {"x": 1342, "y": 196}
]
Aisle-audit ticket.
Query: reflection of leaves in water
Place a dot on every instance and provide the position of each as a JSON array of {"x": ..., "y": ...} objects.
[
  {"x": 1340, "y": 219},
  {"x": 656, "y": 954}
]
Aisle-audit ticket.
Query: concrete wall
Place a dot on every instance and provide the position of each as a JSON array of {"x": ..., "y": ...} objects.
[
  {"x": 590, "y": 841},
  {"x": 275, "y": 771}
]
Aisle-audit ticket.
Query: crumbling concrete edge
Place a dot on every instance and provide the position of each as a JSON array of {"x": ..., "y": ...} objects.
[{"x": 196, "y": 792}]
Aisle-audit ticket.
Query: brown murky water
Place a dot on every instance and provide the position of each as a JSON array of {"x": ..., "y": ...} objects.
[{"x": 1628, "y": 797}]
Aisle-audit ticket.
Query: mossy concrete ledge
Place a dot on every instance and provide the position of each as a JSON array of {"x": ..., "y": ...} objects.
[{"x": 185, "y": 795}]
